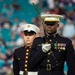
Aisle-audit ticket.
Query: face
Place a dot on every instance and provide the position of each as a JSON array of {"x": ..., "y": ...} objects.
[
  {"x": 51, "y": 29},
  {"x": 29, "y": 39}
]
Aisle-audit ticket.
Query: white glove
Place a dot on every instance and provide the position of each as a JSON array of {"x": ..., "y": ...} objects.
[{"x": 46, "y": 47}]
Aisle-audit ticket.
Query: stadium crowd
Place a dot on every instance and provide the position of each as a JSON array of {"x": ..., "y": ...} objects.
[{"x": 12, "y": 17}]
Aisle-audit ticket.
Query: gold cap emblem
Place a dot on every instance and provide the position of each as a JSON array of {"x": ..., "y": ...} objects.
[{"x": 28, "y": 26}]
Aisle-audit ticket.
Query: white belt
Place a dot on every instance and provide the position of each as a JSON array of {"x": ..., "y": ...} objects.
[
  {"x": 21, "y": 72},
  {"x": 32, "y": 73}
]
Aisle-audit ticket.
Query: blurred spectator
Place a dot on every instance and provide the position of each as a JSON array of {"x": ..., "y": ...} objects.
[
  {"x": 2, "y": 56},
  {"x": 16, "y": 6},
  {"x": 60, "y": 28},
  {"x": 73, "y": 42},
  {"x": 2, "y": 47},
  {"x": 7, "y": 68},
  {"x": 9, "y": 54},
  {"x": 69, "y": 30},
  {"x": 50, "y": 4},
  {"x": 6, "y": 22},
  {"x": 45, "y": 11},
  {"x": 10, "y": 14},
  {"x": 19, "y": 42},
  {"x": 70, "y": 15},
  {"x": 15, "y": 28},
  {"x": 63, "y": 2},
  {"x": 6, "y": 64},
  {"x": 62, "y": 10},
  {"x": 1, "y": 21},
  {"x": 4, "y": 10},
  {"x": 39, "y": 24},
  {"x": 2, "y": 50},
  {"x": 54, "y": 11},
  {"x": 69, "y": 7},
  {"x": 43, "y": 4},
  {"x": 15, "y": 21},
  {"x": 6, "y": 32},
  {"x": 22, "y": 22},
  {"x": 73, "y": 1},
  {"x": 35, "y": 21}
]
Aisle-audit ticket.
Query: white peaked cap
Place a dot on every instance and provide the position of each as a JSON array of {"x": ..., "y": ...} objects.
[
  {"x": 30, "y": 27},
  {"x": 51, "y": 17}
]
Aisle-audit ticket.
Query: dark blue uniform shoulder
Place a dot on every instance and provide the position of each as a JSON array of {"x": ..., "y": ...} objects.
[
  {"x": 19, "y": 49},
  {"x": 38, "y": 38},
  {"x": 66, "y": 39}
]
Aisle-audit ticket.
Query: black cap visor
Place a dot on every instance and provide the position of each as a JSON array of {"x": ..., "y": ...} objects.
[
  {"x": 50, "y": 23},
  {"x": 30, "y": 33}
]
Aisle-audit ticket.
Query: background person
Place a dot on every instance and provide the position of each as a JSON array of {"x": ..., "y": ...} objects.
[{"x": 20, "y": 62}]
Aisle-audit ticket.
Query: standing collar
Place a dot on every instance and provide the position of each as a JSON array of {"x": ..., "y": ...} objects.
[
  {"x": 27, "y": 47},
  {"x": 53, "y": 35}
]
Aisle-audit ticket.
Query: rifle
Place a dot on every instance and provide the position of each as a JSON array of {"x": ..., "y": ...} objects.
[{"x": 42, "y": 22}]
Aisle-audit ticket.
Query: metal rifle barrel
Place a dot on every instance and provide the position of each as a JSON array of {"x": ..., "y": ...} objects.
[{"x": 43, "y": 24}]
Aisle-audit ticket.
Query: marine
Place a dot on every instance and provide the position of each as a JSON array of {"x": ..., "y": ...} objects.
[{"x": 50, "y": 52}]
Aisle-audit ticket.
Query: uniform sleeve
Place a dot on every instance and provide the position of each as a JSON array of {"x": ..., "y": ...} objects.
[
  {"x": 36, "y": 56},
  {"x": 15, "y": 64},
  {"x": 70, "y": 59}
]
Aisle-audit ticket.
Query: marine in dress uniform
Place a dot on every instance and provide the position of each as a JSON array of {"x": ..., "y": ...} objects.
[
  {"x": 50, "y": 57},
  {"x": 20, "y": 62}
]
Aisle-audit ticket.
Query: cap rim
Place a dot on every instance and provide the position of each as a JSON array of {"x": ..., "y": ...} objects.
[{"x": 52, "y": 15}]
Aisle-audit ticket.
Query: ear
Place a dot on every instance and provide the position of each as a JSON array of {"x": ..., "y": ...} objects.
[
  {"x": 45, "y": 26},
  {"x": 22, "y": 34},
  {"x": 57, "y": 25},
  {"x": 37, "y": 35}
]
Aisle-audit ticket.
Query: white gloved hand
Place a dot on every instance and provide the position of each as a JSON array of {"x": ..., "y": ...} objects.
[{"x": 46, "y": 47}]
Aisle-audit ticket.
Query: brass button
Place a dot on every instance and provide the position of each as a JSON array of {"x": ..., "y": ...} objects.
[
  {"x": 26, "y": 57},
  {"x": 50, "y": 40},
  {"x": 27, "y": 53},
  {"x": 63, "y": 48},
  {"x": 18, "y": 58},
  {"x": 48, "y": 60},
  {"x": 25, "y": 69},
  {"x": 27, "y": 50},
  {"x": 49, "y": 53},
  {"x": 26, "y": 61},
  {"x": 25, "y": 65}
]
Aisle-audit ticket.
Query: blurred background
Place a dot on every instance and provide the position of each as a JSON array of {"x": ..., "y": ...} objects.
[{"x": 14, "y": 13}]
